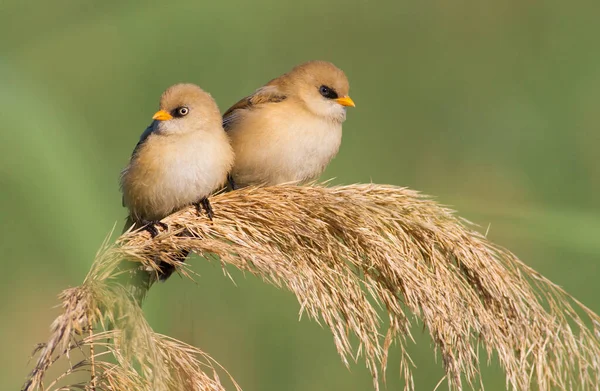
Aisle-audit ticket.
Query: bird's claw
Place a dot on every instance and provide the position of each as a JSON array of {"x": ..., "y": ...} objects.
[
  {"x": 205, "y": 204},
  {"x": 150, "y": 226},
  {"x": 231, "y": 182}
]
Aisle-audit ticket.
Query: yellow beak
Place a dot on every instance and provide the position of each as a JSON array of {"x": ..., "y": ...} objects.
[
  {"x": 345, "y": 101},
  {"x": 162, "y": 115}
]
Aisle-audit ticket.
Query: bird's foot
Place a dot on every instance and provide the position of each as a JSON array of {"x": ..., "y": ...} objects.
[
  {"x": 231, "y": 182},
  {"x": 150, "y": 226},
  {"x": 205, "y": 204}
]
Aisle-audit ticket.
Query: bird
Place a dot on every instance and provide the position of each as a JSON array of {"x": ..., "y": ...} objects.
[
  {"x": 182, "y": 158},
  {"x": 291, "y": 128}
]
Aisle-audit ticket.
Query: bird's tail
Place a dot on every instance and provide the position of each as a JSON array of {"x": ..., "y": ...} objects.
[{"x": 139, "y": 279}]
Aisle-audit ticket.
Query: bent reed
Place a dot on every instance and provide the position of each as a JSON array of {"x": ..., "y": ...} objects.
[{"x": 344, "y": 251}]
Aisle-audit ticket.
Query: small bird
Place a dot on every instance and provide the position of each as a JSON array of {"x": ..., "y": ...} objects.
[
  {"x": 182, "y": 158},
  {"x": 289, "y": 129}
]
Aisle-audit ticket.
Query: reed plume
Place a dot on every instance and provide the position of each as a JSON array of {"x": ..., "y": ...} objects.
[{"x": 344, "y": 252}]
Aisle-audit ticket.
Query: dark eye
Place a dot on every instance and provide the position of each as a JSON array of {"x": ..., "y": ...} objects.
[
  {"x": 181, "y": 111},
  {"x": 328, "y": 92}
]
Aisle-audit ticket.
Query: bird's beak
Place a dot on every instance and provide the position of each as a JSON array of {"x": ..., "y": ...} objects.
[
  {"x": 162, "y": 115},
  {"x": 345, "y": 101}
]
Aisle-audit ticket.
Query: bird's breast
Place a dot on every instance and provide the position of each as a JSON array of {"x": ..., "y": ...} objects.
[
  {"x": 170, "y": 174},
  {"x": 276, "y": 147}
]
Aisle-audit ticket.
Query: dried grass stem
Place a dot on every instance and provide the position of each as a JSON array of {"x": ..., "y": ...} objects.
[{"x": 345, "y": 251}]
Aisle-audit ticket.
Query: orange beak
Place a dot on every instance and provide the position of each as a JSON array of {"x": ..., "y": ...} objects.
[
  {"x": 162, "y": 115},
  {"x": 345, "y": 101}
]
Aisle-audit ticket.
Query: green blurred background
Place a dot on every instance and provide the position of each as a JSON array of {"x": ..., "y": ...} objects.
[{"x": 490, "y": 106}]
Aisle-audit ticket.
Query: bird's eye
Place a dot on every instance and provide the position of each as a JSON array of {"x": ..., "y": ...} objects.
[
  {"x": 328, "y": 92},
  {"x": 181, "y": 111}
]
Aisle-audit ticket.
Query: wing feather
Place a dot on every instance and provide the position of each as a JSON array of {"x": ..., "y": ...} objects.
[
  {"x": 265, "y": 95},
  {"x": 149, "y": 130}
]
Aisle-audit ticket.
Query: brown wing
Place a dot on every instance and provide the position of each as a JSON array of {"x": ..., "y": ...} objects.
[{"x": 262, "y": 96}]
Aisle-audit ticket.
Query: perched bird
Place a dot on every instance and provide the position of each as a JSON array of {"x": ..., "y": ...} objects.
[
  {"x": 181, "y": 159},
  {"x": 289, "y": 129}
]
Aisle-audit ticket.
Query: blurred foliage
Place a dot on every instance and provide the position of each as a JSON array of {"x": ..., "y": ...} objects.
[{"x": 489, "y": 106}]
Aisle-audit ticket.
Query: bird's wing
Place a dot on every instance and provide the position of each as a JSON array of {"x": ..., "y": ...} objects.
[
  {"x": 265, "y": 95},
  {"x": 149, "y": 130}
]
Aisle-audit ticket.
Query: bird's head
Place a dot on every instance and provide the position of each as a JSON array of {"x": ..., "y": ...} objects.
[
  {"x": 186, "y": 108},
  {"x": 322, "y": 87}
]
